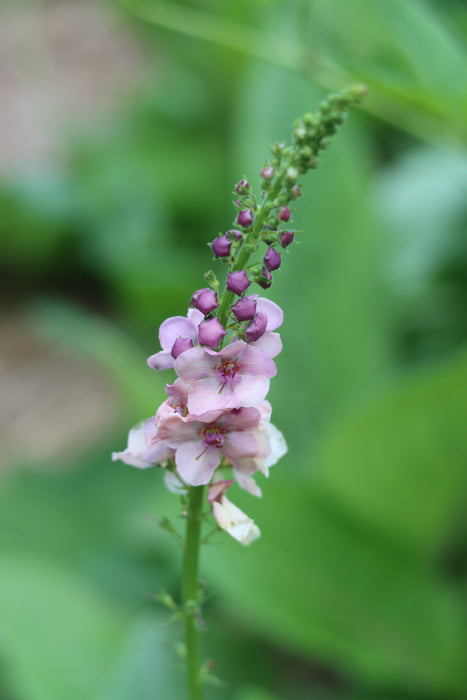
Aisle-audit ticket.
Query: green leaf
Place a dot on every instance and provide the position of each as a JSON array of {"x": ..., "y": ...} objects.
[
  {"x": 320, "y": 584},
  {"x": 59, "y": 637},
  {"x": 399, "y": 461},
  {"x": 147, "y": 666},
  {"x": 406, "y": 53}
]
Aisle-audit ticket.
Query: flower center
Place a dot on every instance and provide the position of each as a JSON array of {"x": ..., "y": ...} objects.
[
  {"x": 213, "y": 437},
  {"x": 179, "y": 406},
  {"x": 227, "y": 373}
]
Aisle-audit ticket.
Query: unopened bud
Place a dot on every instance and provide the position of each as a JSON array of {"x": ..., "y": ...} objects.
[
  {"x": 210, "y": 332},
  {"x": 234, "y": 235},
  {"x": 272, "y": 259},
  {"x": 256, "y": 328},
  {"x": 267, "y": 173},
  {"x": 286, "y": 238},
  {"x": 265, "y": 278},
  {"x": 245, "y": 218},
  {"x": 180, "y": 345},
  {"x": 292, "y": 173},
  {"x": 296, "y": 191},
  {"x": 284, "y": 213},
  {"x": 221, "y": 247},
  {"x": 238, "y": 282},
  {"x": 205, "y": 300},
  {"x": 242, "y": 187},
  {"x": 300, "y": 132},
  {"x": 244, "y": 309}
]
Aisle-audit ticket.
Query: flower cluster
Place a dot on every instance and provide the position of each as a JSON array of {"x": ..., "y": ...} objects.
[{"x": 216, "y": 416}]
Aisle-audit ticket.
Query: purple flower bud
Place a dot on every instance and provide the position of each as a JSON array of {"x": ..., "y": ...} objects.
[
  {"x": 244, "y": 309},
  {"x": 205, "y": 300},
  {"x": 237, "y": 282},
  {"x": 239, "y": 202},
  {"x": 284, "y": 213},
  {"x": 286, "y": 238},
  {"x": 234, "y": 235},
  {"x": 267, "y": 173},
  {"x": 210, "y": 332},
  {"x": 265, "y": 280},
  {"x": 242, "y": 186},
  {"x": 245, "y": 218},
  {"x": 180, "y": 345},
  {"x": 221, "y": 247},
  {"x": 296, "y": 191},
  {"x": 256, "y": 328},
  {"x": 272, "y": 259}
]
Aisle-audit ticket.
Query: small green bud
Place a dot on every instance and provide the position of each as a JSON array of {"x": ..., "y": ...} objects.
[
  {"x": 292, "y": 173},
  {"x": 300, "y": 132},
  {"x": 212, "y": 280}
]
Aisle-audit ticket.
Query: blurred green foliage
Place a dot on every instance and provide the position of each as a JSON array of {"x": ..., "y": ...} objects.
[{"x": 356, "y": 590}]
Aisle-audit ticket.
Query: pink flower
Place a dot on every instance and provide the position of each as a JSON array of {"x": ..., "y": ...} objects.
[
  {"x": 234, "y": 521},
  {"x": 144, "y": 450},
  {"x": 271, "y": 447},
  {"x": 236, "y": 376},
  {"x": 199, "y": 446},
  {"x": 171, "y": 332},
  {"x": 245, "y": 468},
  {"x": 177, "y": 404}
]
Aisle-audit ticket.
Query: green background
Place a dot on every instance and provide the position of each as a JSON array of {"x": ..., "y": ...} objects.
[{"x": 356, "y": 589}]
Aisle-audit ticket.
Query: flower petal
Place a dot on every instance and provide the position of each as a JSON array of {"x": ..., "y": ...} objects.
[
  {"x": 250, "y": 391},
  {"x": 161, "y": 360},
  {"x": 278, "y": 446},
  {"x": 269, "y": 343},
  {"x": 235, "y": 521},
  {"x": 194, "y": 364},
  {"x": 173, "y": 483},
  {"x": 239, "y": 445},
  {"x": 173, "y": 328},
  {"x": 205, "y": 395},
  {"x": 197, "y": 462},
  {"x": 255, "y": 361},
  {"x": 247, "y": 483},
  {"x": 272, "y": 310}
]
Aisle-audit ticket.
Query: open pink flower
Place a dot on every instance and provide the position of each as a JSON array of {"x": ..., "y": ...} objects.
[
  {"x": 271, "y": 447},
  {"x": 236, "y": 376},
  {"x": 144, "y": 449},
  {"x": 177, "y": 404},
  {"x": 244, "y": 469},
  {"x": 176, "y": 335},
  {"x": 199, "y": 446}
]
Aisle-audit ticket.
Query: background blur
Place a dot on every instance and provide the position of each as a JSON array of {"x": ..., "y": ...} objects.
[{"x": 123, "y": 129}]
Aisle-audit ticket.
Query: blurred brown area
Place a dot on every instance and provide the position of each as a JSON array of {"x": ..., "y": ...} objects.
[
  {"x": 50, "y": 403},
  {"x": 62, "y": 65}
]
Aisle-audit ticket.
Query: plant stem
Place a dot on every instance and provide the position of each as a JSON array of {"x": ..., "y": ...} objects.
[{"x": 190, "y": 590}]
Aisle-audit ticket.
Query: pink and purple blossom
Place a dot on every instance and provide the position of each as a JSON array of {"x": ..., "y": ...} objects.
[
  {"x": 236, "y": 376},
  {"x": 173, "y": 329},
  {"x": 200, "y": 446}
]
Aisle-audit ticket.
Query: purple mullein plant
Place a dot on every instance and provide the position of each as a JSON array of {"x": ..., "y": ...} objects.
[{"x": 216, "y": 422}]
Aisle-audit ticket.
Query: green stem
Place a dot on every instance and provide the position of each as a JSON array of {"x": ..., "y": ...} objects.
[{"x": 190, "y": 590}]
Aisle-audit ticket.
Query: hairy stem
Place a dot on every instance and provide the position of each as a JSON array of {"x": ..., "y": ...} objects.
[{"x": 190, "y": 590}]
